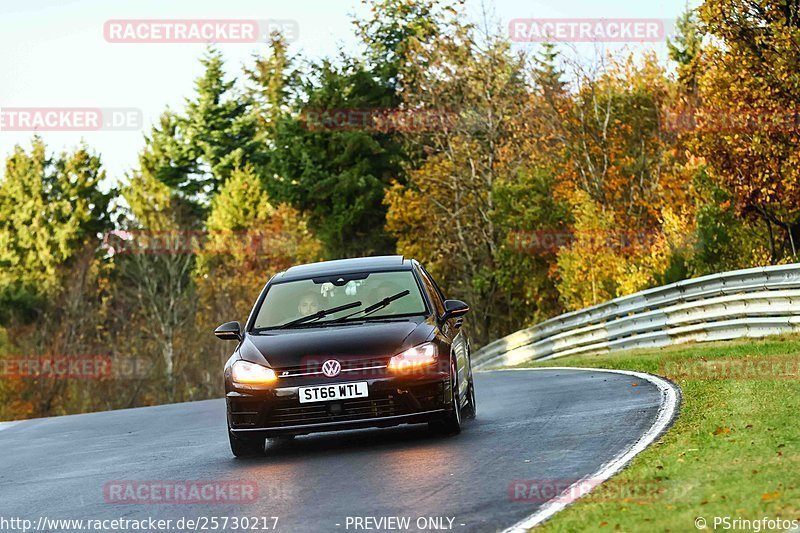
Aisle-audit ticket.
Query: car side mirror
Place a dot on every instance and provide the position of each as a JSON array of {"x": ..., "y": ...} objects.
[
  {"x": 229, "y": 331},
  {"x": 454, "y": 308}
]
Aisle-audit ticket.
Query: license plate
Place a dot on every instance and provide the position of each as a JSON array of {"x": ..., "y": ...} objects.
[{"x": 339, "y": 391}]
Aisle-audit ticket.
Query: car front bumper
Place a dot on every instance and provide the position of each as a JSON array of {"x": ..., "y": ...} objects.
[{"x": 391, "y": 401}]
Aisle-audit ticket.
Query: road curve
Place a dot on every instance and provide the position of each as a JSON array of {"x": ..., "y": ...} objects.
[{"x": 542, "y": 425}]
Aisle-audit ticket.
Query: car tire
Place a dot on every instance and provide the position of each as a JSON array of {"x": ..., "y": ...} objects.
[
  {"x": 246, "y": 446},
  {"x": 451, "y": 423},
  {"x": 471, "y": 410}
]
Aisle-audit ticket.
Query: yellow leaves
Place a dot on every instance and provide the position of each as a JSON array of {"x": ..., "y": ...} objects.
[
  {"x": 751, "y": 82},
  {"x": 722, "y": 430},
  {"x": 150, "y": 201},
  {"x": 409, "y": 219},
  {"x": 770, "y": 496},
  {"x": 607, "y": 260},
  {"x": 242, "y": 203},
  {"x": 247, "y": 233}
]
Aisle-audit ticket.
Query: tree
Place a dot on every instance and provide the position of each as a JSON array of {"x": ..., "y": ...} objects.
[
  {"x": 546, "y": 73},
  {"x": 722, "y": 241},
  {"x": 158, "y": 296},
  {"x": 50, "y": 207},
  {"x": 686, "y": 50},
  {"x": 52, "y": 212},
  {"x": 274, "y": 84},
  {"x": 154, "y": 288},
  {"x": 394, "y": 31},
  {"x": 72, "y": 324},
  {"x": 533, "y": 222},
  {"x": 619, "y": 171},
  {"x": 248, "y": 235},
  {"x": 220, "y": 128},
  {"x": 746, "y": 128},
  {"x": 605, "y": 260},
  {"x": 195, "y": 151},
  {"x": 337, "y": 174},
  {"x": 612, "y": 142},
  {"x": 249, "y": 240},
  {"x": 446, "y": 215}
]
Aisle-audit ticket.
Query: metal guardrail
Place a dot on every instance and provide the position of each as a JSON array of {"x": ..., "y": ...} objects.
[{"x": 742, "y": 303}]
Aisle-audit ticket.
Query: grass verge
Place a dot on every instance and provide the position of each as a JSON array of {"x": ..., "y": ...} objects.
[{"x": 733, "y": 452}]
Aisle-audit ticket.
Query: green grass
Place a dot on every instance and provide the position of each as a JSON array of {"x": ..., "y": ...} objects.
[{"x": 734, "y": 450}]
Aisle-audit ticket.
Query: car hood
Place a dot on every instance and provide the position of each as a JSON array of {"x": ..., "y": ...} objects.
[{"x": 283, "y": 348}]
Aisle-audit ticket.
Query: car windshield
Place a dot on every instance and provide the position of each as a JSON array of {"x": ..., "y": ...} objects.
[{"x": 289, "y": 302}]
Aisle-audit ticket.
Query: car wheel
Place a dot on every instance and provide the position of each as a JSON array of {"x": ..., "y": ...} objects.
[
  {"x": 246, "y": 446},
  {"x": 471, "y": 410},
  {"x": 451, "y": 423}
]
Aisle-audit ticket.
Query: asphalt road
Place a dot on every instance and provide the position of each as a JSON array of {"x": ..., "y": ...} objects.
[{"x": 542, "y": 426}]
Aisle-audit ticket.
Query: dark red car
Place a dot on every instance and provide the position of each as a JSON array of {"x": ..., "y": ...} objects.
[{"x": 353, "y": 343}]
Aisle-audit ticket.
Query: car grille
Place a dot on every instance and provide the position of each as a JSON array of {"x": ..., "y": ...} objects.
[
  {"x": 254, "y": 412},
  {"x": 244, "y": 413},
  {"x": 337, "y": 411},
  {"x": 313, "y": 366}
]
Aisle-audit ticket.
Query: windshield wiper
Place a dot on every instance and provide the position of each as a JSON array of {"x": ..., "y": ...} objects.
[
  {"x": 375, "y": 307},
  {"x": 319, "y": 315}
]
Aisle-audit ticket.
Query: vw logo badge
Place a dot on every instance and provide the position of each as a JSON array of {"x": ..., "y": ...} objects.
[{"x": 331, "y": 368}]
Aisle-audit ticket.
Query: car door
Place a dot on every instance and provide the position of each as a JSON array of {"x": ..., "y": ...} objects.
[{"x": 452, "y": 329}]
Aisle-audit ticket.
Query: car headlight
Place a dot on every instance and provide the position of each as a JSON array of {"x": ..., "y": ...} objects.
[
  {"x": 413, "y": 358},
  {"x": 252, "y": 374}
]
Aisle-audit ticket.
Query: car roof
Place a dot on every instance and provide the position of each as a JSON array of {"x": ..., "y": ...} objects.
[{"x": 383, "y": 263}]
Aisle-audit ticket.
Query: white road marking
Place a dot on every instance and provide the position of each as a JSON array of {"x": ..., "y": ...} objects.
[
  {"x": 6, "y": 425},
  {"x": 670, "y": 400}
]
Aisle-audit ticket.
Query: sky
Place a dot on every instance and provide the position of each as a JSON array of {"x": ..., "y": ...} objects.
[{"x": 53, "y": 54}]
